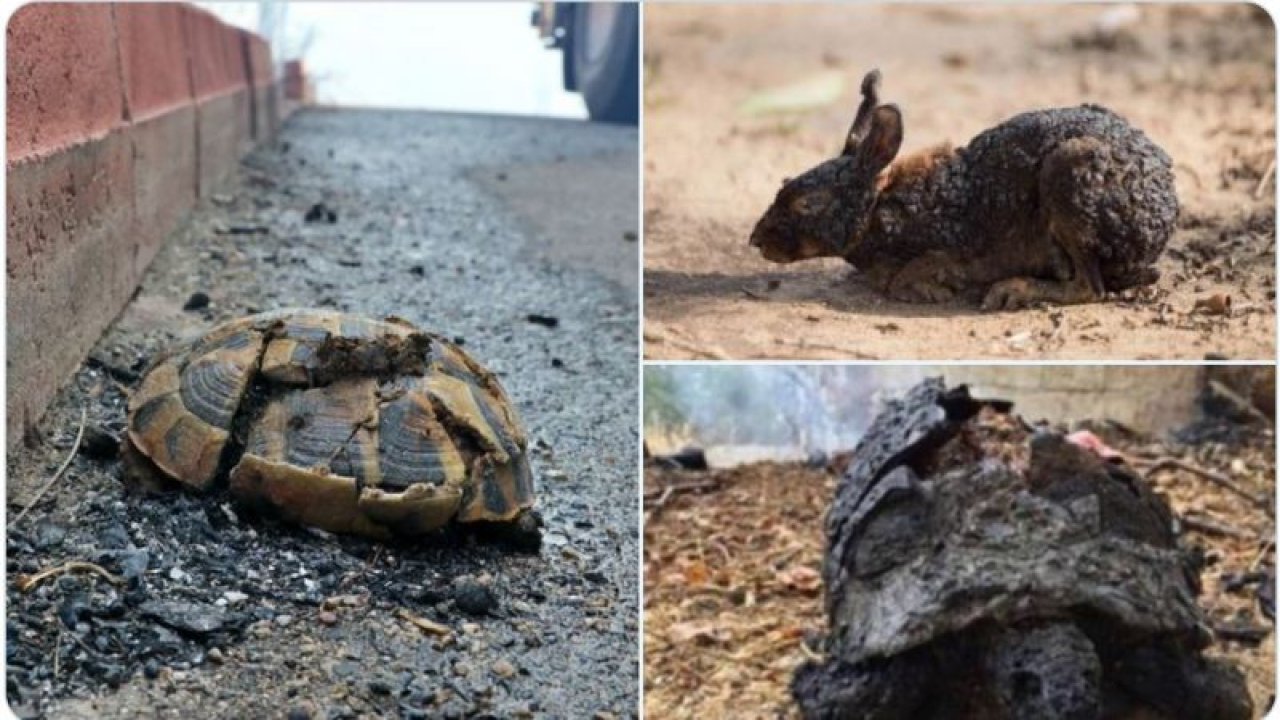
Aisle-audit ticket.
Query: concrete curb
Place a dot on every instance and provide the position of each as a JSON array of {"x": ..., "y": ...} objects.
[{"x": 120, "y": 116}]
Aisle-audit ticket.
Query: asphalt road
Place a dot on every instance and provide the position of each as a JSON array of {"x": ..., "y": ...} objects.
[{"x": 464, "y": 225}]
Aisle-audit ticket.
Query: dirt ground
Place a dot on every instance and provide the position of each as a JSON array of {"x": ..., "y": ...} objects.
[
  {"x": 732, "y": 560},
  {"x": 1199, "y": 80},
  {"x": 223, "y": 613}
]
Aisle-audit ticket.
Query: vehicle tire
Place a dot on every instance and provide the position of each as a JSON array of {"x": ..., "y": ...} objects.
[{"x": 606, "y": 59}]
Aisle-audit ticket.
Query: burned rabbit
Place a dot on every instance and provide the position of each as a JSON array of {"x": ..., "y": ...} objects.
[{"x": 1059, "y": 206}]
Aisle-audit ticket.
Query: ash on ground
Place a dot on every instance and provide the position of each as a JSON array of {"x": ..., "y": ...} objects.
[{"x": 204, "y": 610}]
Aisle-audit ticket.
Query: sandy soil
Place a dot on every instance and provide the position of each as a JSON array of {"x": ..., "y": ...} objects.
[
  {"x": 1198, "y": 80},
  {"x": 733, "y": 596}
]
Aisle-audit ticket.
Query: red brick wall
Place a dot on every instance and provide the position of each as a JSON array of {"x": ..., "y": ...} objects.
[
  {"x": 107, "y": 154},
  {"x": 63, "y": 74}
]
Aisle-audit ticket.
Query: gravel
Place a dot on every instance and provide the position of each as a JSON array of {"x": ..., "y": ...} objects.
[{"x": 213, "y": 611}]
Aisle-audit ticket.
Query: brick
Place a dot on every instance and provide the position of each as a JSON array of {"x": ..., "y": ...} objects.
[
  {"x": 261, "y": 69},
  {"x": 216, "y": 64},
  {"x": 222, "y": 125},
  {"x": 63, "y": 82},
  {"x": 262, "y": 82},
  {"x": 71, "y": 265},
  {"x": 153, "y": 58},
  {"x": 165, "y": 177},
  {"x": 294, "y": 80}
]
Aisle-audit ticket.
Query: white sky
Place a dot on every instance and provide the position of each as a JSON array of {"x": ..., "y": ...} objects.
[{"x": 480, "y": 57}]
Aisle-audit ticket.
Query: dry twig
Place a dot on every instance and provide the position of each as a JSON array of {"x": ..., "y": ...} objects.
[
  {"x": 75, "y": 448},
  {"x": 1216, "y": 478},
  {"x": 1257, "y": 559},
  {"x": 1241, "y": 632},
  {"x": 1266, "y": 177},
  {"x": 423, "y": 624},
  {"x": 655, "y": 502},
  {"x": 27, "y": 583},
  {"x": 1241, "y": 405},
  {"x": 1213, "y": 527}
]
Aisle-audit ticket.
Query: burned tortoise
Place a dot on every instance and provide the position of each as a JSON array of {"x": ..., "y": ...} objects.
[
  {"x": 336, "y": 421},
  {"x": 979, "y": 570}
]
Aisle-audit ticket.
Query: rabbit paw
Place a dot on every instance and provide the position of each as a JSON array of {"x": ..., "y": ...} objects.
[
  {"x": 1010, "y": 294},
  {"x": 930, "y": 278},
  {"x": 921, "y": 291}
]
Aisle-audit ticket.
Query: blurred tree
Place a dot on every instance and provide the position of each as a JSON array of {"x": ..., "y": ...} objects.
[{"x": 661, "y": 405}]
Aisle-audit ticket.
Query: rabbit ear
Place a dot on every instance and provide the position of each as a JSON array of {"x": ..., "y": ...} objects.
[
  {"x": 862, "y": 121},
  {"x": 884, "y": 138}
]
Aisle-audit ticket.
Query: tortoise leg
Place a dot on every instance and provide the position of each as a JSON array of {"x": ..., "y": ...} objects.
[
  {"x": 523, "y": 532},
  {"x": 1046, "y": 672},
  {"x": 1180, "y": 685},
  {"x": 140, "y": 473},
  {"x": 893, "y": 688}
]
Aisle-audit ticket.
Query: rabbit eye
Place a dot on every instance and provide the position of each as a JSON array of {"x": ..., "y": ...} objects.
[{"x": 811, "y": 203}]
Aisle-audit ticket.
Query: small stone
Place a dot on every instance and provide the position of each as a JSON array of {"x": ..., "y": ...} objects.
[
  {"x": 189, "y": 617},
  {"x": 233, "y": 596},
  {"x": 73, "y": 610},
  {"x": 197, "y": 301},
  {"x": 504, "y": 669},
  {"x": 548, "y": 321},
  {"x": 284, "y": 620},
  {"x": 133, "y": 563},
  {"x": 472, "y": 597},
  {"x": 99, "y": 444},
  {"x": 327, "y": 618},
  {"x": 346, "y": 669},
  {"x": 379, "y": 686},
  {"x": 215, "y": 655},
  {"x": 114, "y": 537},
  {"x": 49, "y": 535},
  {"x": 151, "y": 669},
  {"x": 300, "y": 712},
  {"x": 320, "y": 213}
]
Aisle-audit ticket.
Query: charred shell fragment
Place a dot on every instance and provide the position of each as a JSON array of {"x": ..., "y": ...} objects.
[
  {"x": 961, "y": 584},
  {"x": 335, "y": 421}
]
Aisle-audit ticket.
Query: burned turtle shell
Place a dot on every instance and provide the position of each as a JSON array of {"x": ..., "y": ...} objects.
[
  {"x": 963, "y": 585},
  {"x": 336, "y": 421}
]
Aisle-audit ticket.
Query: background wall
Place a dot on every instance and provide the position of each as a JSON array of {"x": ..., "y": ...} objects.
[{"x": 120, "y": 117}]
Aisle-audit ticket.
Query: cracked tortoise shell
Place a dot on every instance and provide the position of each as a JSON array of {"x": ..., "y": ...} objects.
[{"x": 336, "y": 421}]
